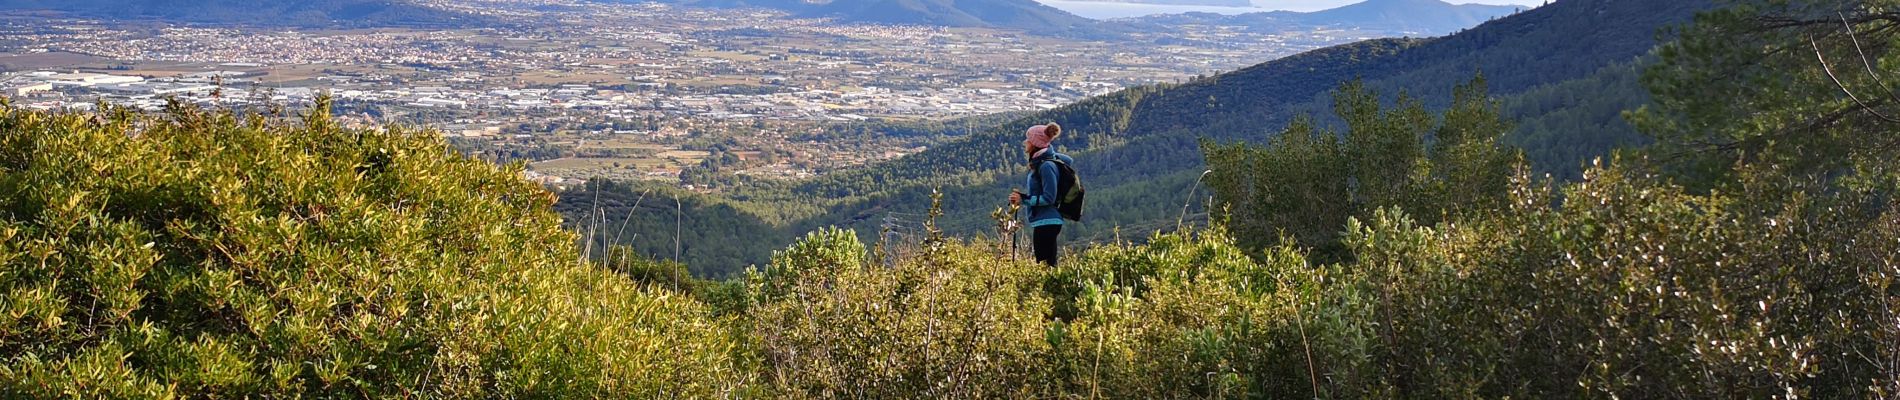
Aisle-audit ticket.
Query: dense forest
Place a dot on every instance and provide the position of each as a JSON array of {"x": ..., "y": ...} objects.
[{"x": 1752, "y": 250}]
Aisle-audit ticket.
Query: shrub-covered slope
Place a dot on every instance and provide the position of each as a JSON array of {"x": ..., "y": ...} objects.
[
  {"x": 1627, "y": 288},
  {"x": 205, "y": 255}
]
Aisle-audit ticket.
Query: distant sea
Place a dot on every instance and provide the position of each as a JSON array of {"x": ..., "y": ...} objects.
[{"x": 1105, "y": 10}]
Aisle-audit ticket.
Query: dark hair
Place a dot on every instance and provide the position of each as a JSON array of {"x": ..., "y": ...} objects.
[{"x": 1054, "y": 131}]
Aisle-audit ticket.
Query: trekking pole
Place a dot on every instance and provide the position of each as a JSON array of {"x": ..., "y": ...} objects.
[
  {"x": 1015, "y": 229},
  {"x": 1013, "y": 248},
  {"x": 1180, "y": 224},
  {"x": 1007, "y": 223}
]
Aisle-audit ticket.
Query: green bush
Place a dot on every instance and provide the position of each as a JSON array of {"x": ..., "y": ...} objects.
[
  {"x": 1188, "y": 315},
  {"x": 1623, "y": 285},
  {"x": 201, "y": 254},
  {"x": 1631, "y": 287},
  {"x": 956, "y": 322},
  {"x": 211, "y": 254}
]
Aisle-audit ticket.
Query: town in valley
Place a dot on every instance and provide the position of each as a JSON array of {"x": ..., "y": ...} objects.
[{"x": 643, "y": 91}]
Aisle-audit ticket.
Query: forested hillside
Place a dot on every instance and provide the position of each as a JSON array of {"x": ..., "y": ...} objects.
[
  {"x": 654, "y": 221},
  {"x": 1566, "y": 70}
]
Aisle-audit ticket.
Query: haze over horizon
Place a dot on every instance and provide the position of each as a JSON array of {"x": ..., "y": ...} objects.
[{"x": 1099, "y": 9}]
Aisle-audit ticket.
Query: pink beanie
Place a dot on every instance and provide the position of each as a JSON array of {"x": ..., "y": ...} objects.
[{"x": 1038, "y": 137}]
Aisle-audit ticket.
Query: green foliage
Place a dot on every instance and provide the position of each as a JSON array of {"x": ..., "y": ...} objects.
[
  {"x": 1470, "y": 166},
  {"x": 1185, "y": 316},
  {"x": 200, "y": 254},
  {"x": 209, "y": 254},
  {"x": 956, "y": 324},
  {"x": 1562, "y": 126},
  {"x": 1306, "y": 182},
  {"x": 1636, "y": 289},
  {"x": 1798, "y": 85},
  {"x": 1628, "y": 287},
  {"x": 822, "y": 253},
  {"x": 1623, "y": 284},
  {"x": 1296, "y": 185}
]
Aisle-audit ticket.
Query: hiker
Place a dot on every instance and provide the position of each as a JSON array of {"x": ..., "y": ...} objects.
[{"x": 1045, "y": 168}]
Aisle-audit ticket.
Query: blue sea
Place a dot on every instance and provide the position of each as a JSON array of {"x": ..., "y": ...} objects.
[{"x": 1104, "y": 10}]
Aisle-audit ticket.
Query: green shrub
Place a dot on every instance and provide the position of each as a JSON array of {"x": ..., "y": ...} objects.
[
  {"x": 1631, "y": 287},
  {"x": 208, "y": 254},
  {"x": 955, "y": 323},
  {"x": 1188, "y": 315}
]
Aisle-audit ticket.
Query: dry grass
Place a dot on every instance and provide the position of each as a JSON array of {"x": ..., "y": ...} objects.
[
  {"x": 48, "y": 60},
  {"x": 573, "y": 163}
]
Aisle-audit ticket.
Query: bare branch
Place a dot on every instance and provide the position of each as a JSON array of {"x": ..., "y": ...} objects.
[
  {"x": 1778, "y": 23},
  {"x": 1755, "y": 142},
  {"x": 1865, "y": 61},
  {"x": 1829, "y": 69}
]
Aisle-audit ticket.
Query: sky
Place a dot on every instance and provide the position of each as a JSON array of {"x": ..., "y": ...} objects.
[{"x": 1101, "y": 10}]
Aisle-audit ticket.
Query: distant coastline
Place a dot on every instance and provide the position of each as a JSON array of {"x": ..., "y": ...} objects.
[{"x": 1105, "y": 10}]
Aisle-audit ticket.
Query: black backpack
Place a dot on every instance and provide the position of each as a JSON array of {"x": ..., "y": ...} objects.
[{"x": 1069, "y": 191}]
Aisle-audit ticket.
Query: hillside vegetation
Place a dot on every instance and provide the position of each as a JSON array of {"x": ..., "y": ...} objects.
[
  {"x": 1753, "y": 252},
  {"x": 206, "y": 254}
]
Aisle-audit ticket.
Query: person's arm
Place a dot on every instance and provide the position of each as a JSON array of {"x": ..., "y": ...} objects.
[{"x": 1045, "y": 193}]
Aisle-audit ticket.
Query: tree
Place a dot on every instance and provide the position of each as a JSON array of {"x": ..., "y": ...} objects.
[
  {"x": 1470, "y": 167},
  {"x": 1795, "y": 86},
  {"x": 1306, "y": 182}
]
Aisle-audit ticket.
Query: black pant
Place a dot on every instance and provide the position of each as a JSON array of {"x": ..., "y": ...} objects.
[{"x": 1044, "y": 240}]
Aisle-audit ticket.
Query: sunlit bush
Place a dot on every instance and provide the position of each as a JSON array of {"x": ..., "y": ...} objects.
[
  {"x": 1186, "y": 315},
  {"x": 210, "y": 254},
  {"x": 957, "y": 323},
  {"x": 1632, "y": 288}
]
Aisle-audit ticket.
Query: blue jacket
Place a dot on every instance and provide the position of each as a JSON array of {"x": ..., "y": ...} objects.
[{"x": 1041, "y": 189}]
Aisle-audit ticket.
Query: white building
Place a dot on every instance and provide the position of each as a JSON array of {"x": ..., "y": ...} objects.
[
  {"x": 91, "y": 79},
  {"x": 31, "y": 88}
]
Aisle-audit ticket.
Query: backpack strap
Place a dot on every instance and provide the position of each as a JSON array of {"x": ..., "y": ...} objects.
[
  {"x": 1051, "y": 159},
  {"x": 1036, "y": 173}
]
